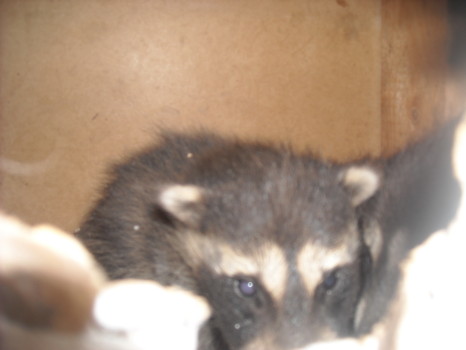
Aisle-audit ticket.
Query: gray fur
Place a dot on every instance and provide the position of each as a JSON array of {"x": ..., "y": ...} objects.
[
  {"x": 419, "y": 196},
  {"x": 247, "y": 196}
]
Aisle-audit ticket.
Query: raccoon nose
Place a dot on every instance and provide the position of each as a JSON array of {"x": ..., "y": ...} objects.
[
  {"x": 294, "y": 335},
  {"x": 296, "y": 311},
  {"x": 294, "y": 329}
]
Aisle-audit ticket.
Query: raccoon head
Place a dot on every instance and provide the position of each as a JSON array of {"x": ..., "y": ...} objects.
[{"x": 282, "y": 264}]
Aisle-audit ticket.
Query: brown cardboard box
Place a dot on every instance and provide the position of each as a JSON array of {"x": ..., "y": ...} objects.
[{"x": 83, "y": 83}]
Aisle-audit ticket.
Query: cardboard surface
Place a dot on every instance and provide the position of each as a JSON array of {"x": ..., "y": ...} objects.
[{"x": 83, "y": 83}]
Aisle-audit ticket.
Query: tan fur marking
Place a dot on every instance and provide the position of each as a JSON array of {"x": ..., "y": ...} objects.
[
  {"x": 175, "y": 198},
  {"x": 180, "y": 194},
  {"x": 365, "y": 179},
  {"x": 314, "y": 260},
  {"x": 234, "y": 263},
  {"x": 268, "y": 264},
  {"x": 274, "y": 270},
  {"x": 360, "y": 309},
  {"x": 373, "y": 238},
  {"x": 268, "y": 340}
]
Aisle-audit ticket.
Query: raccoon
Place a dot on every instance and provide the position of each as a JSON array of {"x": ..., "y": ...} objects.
[
  {"x": 285, "y": 247},
  {"x": 419, "y": 195}
]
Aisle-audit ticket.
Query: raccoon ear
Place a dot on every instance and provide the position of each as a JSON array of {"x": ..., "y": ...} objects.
[
  {"x": 361, "y": 182},
  {"x": 181, "y": 203}
]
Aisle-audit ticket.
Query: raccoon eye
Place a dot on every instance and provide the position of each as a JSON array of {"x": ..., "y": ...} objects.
[
  {"x": 246, "y": 287},
  {"x": 330, "y": 280}
]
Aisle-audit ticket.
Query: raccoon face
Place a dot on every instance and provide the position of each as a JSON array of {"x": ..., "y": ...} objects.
[
  {"x": 283, "y": 303},
  {"x": 281, "y": 266}
]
